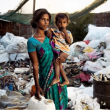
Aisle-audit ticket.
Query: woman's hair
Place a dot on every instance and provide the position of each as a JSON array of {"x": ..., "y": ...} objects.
[
  {"x": 61, "y": 15},
  {"x": 37, "y": 15}
]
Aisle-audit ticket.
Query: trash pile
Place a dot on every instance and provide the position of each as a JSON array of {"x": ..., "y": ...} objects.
[
  {"x": 15, "y": 76},
  {"x": 14, "y": 63},
  {"x": 81, "y": 98},
  {"x": 90, "y": 55},
  {"x": 11, "y": 100},
  {"x": 13, "y": 48},
  {"x": 13, "y": 52},
  {"x": 88, "y": 60}
]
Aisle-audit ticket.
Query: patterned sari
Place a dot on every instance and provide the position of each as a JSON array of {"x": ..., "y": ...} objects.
[{"x": 46, "y": 73}]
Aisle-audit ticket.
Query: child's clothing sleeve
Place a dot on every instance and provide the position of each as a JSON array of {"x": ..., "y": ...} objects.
[{"x": 70, "y": 36}]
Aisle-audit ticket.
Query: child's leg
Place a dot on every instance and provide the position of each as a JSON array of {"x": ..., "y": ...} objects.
[
  {"x": 66, "y": 82},
  {"x": 57, "y": 70},
  {"x": 64, "y": 56}
]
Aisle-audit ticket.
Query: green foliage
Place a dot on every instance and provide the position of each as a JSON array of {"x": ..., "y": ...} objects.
[{"x": 78, "y": 27}]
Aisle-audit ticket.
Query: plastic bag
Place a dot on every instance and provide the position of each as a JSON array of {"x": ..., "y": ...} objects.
[
  {"x": 13, "y": 56},
  {"x": 107, "y": 56},
  {"x": 19, "y": 45},
  {"x": 96, "y": 33},
  {"x": 2, "y": 93},
  {"x": 92, "y": 66},
  {"x": 43, "y": 104},
  {"x": 18, "y": 56},
  {"x": 106, "y": 38},
  {"x": 4, "y": 57},
  {"x": 102, "y": 61},
  {"x": 94, "y": 43},
  {"x": 22, "y": 56},
  {"x": 88, "y": 49},
  {"x": 7, "y": 39},
  {"x": 2, "y": 49},
  {"x": 73, "y": 48}
]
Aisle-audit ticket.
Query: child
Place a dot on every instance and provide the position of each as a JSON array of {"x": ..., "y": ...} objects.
[{"x": 60, "y": 40}]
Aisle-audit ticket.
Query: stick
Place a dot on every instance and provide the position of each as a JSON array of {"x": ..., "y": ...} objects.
[
  {"x": 97, "y": 77},
  {"x": 101, "y": 76},
  {"x": 105, "y": 78},
  {"x": 94, "y": 77}
]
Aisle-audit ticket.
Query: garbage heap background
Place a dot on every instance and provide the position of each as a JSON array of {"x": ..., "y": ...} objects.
[{"x": 87, "y": 57}]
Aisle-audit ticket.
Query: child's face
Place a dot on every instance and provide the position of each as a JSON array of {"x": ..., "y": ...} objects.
[{"x": 62, "y": 22}]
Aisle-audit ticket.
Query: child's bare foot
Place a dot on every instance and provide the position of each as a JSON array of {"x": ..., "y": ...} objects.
[
  {"x": 56, "y": 80},
  {"x": 66, "y": 82}
]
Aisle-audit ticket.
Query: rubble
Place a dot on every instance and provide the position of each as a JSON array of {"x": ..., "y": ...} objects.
[{"x": 13, "y": 100}]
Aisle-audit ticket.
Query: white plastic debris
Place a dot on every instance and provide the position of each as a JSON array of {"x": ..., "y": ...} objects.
[
  {"x": 2, "y": 93},
  {"x": 2, "y": 49},
  {"x": 106, "y": 38},
  {"x": 43, "y": 104},
  {"x": 22, "y": 56},
  {"x": 82, "y": 97},
  {"x": 96, "y": 33},
  {"x": 73, "y": 46},
  {"x": 19, "y": 45},
  {"x": 28, "y": 86},
  {"x": 76, "y": 59},
  {"x": 4, "y": 57},
  {"x": 21, "y": 70},
  {"x": 93, "y": 66},
  {"x": 13, "y": 56},
  {"x": 104, "y": 71},
  {"x": 93, "y": 43},
  {"x": 7, "y": 39}
]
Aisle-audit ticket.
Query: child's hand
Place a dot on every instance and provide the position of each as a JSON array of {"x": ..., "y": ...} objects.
[
  {"x": 60, "y": 60},
  {"x": 49, "y": 33},
  {"x": 63, "y": 29}
]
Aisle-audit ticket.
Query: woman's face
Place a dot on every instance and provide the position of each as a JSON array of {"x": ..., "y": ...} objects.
[{"x": 43, "y": 22}]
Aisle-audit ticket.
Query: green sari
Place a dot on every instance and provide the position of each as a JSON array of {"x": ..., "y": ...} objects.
[{"x": 46, "y": 73}]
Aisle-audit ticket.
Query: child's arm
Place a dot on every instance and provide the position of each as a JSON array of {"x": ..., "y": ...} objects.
[
  {"x": 68, "y": 37},
  {"x": 48, "y": 33}
]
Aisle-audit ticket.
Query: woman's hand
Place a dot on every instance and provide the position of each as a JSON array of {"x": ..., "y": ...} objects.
[{"x": 38, "y": 92}]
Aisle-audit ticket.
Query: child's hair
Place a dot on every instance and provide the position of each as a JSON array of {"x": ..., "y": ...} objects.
[
  {"x": 61, "y": 15},
  {"x": 37, "y": 15}
]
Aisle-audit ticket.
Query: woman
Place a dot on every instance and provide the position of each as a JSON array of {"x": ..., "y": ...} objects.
[{"x": 41, "y": 55}]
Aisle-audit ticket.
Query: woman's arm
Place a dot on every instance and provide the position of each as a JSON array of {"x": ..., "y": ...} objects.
[{"x": 34, "y": 60}]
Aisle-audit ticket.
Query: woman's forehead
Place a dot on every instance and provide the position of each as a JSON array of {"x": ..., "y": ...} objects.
[{"x": 45, "y": 16}]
